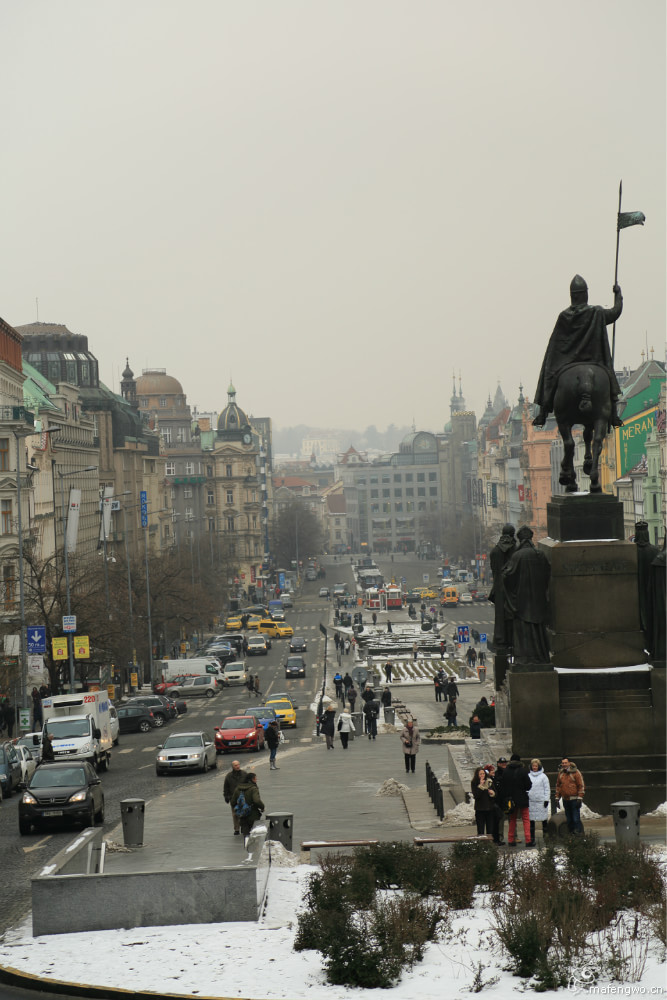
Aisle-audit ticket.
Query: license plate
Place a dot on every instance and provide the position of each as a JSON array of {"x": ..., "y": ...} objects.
[
  {"x": 235, "y": 743},
  {"x": 52, "y": 812}
]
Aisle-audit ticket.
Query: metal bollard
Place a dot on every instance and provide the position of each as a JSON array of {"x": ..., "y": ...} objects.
[
  {"x": 626, "y": 823},
  {"x": 281, "y": 828},
  {"x": 132, "y": 815}
]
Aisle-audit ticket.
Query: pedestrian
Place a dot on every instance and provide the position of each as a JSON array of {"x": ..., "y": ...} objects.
[
  {"x": 389, "y": 629},
  {"x": 327, "y": 725},
  {"x": 415, "y": 647},
  {"x": 232, "y": 779},
  {"x": 336, "y": 640},
  {"x": 347, "y": 684},
  {"x": 410, "y": 738},
  {"x": 498, "y": 774},
  {"x": 255, "y": 686},
  {"x": 475, "y": 728},
  {"x": 452, "y": 689},
  {"x": 352, "y": 696},
  {"x": 345, "y": 727},
  {"x": 47, "y": 748},
  {"x": 483, "y": 794},
  {"x": 36, "y": 709},
  {"x": 438, "y": 687},
  {"x": 371, "y": 713},
  {"x": 367, "y": 694},
  {"x": 250, "y": 684},
  {"x": 570, "y": 788},
  {"x": 8, "y": 716},
  {"x": 375, "y": 618},
  {"x": 253, "y": 798},
  {"x": 347, "y": 646},
  {"x": 482, "y": 658},
  {"x": 516, "y": 785},
  {"x": 387, "y": 671},
  {"x": 338, "y": 684},
  {"x": 443, "y": 647},
  {"x": 274, "y": 738},
  {"x": 385, "y": 698},
  {"x": 244, "y": 645},
  {"x": 450, "y": 713},
  {"x": 539, "y": 797}
]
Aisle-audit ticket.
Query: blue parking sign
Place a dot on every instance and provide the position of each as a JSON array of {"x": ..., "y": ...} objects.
[
  {"x": 36, "y": 639},
  {"x": 482, "y": 636},
  {"x": 463, "y": 632}
]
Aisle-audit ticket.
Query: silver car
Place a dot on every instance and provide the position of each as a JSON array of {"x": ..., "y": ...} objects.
[{"x": 185, "y": 751}]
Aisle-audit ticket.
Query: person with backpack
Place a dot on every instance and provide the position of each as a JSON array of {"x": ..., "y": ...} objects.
[
  {"x": 233, "y": 778},
  {"x": 273, "y": 735},
  {"x": 338, "y": 684},
  {"x": 247, "y": 803},
  {"x": 372, "y": 711}
]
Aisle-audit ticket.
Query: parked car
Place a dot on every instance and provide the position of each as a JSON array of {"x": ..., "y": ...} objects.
[
  {"x": 161, "y": 712},
  {"x": 263, "y": 713},
  {"x": 239, "y": 732},
  {"x": 184, "y": 751},
  {"x": 235, "y": 639},
  {"x": 298, "y": 644},
  {"x": 33, "y": 742},
  {"x": 28, "y": 764},
  {"x": 284, "y": 710},
  {"x": 311, "y": 574},
  {"x": 164, "y": 687},
  {"x": 295, "y": 666},
  {"x": 113, "y": 724},
  {"x": 135, "y": 718},
  {"x": 257, "y": 646},
  {"x": 11, "y": 773},
  {"x": 61, "y": 792},
  {"x": 195, "y": 687}
]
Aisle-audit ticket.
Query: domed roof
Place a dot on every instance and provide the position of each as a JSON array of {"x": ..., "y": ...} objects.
[
  {"x": 232, "y": 418},
  {"x": 156, "y": 382}
]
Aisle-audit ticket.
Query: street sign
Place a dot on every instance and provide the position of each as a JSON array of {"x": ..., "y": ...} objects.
[
  {"x": 143, "y": 498},
  {"x": 69, "y": 623},
  {"x": 403, "y": 580},
  {"x": 59, "y": 647},
  {"x": 463, "y": 633},
  {"x": 82, "y": 647},
  {"x": 482, "y": 636},
  {"x": 36, "y": 636},
  {"x": 425, "y": 577},
  {"x": 24, "y": 719}
]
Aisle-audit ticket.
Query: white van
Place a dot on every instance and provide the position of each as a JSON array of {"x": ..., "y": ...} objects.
[
  {"x": 80, "y": 726},
  {"x": 235, "y": 673},
  {"x": 168, "y": 669}
]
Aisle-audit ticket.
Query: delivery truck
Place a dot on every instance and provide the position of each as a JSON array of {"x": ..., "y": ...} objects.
[{"x": 80, "y": 725}]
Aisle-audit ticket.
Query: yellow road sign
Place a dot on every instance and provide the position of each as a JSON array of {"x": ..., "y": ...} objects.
[
  {"x": 81, "y": 647},
  {"x": 59, "y": 647}
]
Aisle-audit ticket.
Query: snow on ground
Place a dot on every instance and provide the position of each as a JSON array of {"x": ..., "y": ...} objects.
[{"x": 257, "y": 961}]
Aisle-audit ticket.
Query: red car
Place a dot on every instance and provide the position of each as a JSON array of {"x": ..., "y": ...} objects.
[
  {"x": 239, "y": 732},
  {"x": 162, "y": 687}
]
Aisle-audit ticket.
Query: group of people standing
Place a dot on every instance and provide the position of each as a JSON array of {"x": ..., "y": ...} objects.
[{"x": 510, "y": 790}]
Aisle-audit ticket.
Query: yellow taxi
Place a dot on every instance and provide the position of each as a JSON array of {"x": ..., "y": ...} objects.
[
  {"x": 427, "y": 594},
  {"x": 284, "y": 709},
  {"x": 233, "y": 625},
  {"x": 277, "y": 629}
]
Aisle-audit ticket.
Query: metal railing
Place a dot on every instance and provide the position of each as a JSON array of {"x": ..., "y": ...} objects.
[{"x": 435, "y": 791}]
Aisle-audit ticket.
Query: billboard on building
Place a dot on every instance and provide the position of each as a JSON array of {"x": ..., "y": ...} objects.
[{"x": 631, "y": 440}]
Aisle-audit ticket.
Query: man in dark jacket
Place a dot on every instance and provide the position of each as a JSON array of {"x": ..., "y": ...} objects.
[
  {"x": 252, "y": 797},
  {"x": 371, "y": 712},
  {"x": 499, "y": 808},
  {"x": 352, "y": 696},
  {"x": 273, "y": 742},
  {"x": 452, "y": 690},
  {"x": 516, "y": 784},
  {"x": 233, "y": 778}
]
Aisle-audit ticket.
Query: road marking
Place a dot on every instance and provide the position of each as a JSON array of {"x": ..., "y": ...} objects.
[
  {"x": 131, "y": 750},
  {"x": 39, "y": 844}
]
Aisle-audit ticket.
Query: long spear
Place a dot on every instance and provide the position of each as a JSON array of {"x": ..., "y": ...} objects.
[{"x": 623, "y": 220}]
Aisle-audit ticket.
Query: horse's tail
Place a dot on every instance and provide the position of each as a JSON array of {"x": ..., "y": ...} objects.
[{"x": 586, "y": 385}]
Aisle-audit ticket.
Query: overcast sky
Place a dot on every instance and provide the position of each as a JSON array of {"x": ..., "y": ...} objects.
[{"x": 336, "y": 203}]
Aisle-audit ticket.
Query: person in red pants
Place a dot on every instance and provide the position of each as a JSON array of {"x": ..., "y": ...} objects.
[{"x": 516, "y": 785}]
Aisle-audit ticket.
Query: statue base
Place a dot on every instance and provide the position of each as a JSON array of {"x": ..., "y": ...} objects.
[{"x": 584, "y": 516}]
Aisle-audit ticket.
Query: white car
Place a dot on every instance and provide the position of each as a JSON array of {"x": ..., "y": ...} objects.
[
  {"x": 182, "y": 751},
  {"x": 114, "y": 727},
  {"x": 466, "y": 598},
  {"x": 28, "y": 764}
]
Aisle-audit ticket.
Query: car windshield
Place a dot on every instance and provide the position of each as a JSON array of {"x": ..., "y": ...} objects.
[
  {"x": 281, "y": 706},
  {"x": 26, "y": 741},
  {"x": 294, "y": 661},
  {"x": 261, "y": 713},
  {"x": 63, "y": 729},
  {"x": 233, "y": 668},
  {"x": 240, "y": 722},
  {"x": 52, "y": 777},
  {"x": 182, "y": 741}
]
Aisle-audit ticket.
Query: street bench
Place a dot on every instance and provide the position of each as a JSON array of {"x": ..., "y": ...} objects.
[
  {"x": 421, "y": 841},
  {"x": 312, "y": 845}
]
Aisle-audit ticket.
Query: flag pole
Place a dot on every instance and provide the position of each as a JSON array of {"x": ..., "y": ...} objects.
[{"x": 618, "y": 238}]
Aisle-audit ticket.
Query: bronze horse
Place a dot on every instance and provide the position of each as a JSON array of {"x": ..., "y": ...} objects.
[{"x": 583, "y": 396}]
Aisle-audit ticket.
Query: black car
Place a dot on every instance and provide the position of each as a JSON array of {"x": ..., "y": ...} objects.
[
  {"x": 135, "y": 718},
  {"x": 10, "y": 769},
  {"x": 62, "y": 793},
  {"x": 297, "y": 644},
  {"x": 159, "y": 705},
  {"x": 223, "y": 653},
  {"x": 295, "y": 666}
]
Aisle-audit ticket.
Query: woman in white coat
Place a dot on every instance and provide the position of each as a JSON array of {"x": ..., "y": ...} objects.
[
  {"x": 345, "y": 727},
  {"x": 539, "y": 797}
]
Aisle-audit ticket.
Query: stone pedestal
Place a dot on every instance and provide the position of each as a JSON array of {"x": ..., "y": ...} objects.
[
  {"x": 594, "y": 604},
  {"x": 584, "y": 516}
]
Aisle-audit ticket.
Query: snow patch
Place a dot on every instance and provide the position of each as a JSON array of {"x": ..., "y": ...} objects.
[
  {"x": 660, "y": 811},
  {"x": 392, "y": 787},
  {"x": 461, "y": 815}
]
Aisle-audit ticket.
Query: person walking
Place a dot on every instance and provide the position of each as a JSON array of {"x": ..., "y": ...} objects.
[
  {"x": 8, "y": 715},
  {"x": 452, "y": 689},
  {"x": 385, "y": 698},
  {"x": 345, "y": 727},
  {"x": 539, "y": 797},
  {"x": 233, "y": 778},
  {"x": 438, "y": 687},
  {"x": 475, "y": 728},
  {"x": 255, "y": 687},
  {"x": 410, "y": 739},
  {"x": 327, "y": 725},
  {"x": 371, "y": 712},
  {"x": 570, "y": 788},
  {"x": 352, "y": 697},
  {"x": 375, "y": 618},
  {"x": 253, "y": 798},
  {"x": 347, "y": 684},
  {"x": 387, "y": 671},
  {"x": 516, "y": 785},
  {"x": 450, "y": 713},
  {"x": 338, "y": 685},
  {"x": 484, "y": 795},
  {"x": 415, "y": 648},
  {"x": 250, "y": 684},
  {"x": 37, "y": 718},
  {"x": 336, "y": 640},
  {"x": 273, "y": 740},
  {"x": 443, "y": 647},
  {"x": 347, "y": 646}
]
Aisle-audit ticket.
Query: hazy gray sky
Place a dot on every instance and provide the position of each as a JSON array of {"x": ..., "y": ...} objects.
[{"x": 335, "y": 203}]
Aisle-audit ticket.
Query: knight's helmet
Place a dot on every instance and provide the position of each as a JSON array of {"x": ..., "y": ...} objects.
[{"x": 578, "y": 286}]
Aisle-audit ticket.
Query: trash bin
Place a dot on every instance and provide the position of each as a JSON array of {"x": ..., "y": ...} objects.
[
  {"x": 132, "y": 815},
  {"x": 280, "y": 828},
  {"x": 463, "y": 671},
  {"x": 358, "y": 723},
  {"x": 389, "y": 715},
  {"x": 481, "y": 671},
  {"x": 626, "y": 822}
]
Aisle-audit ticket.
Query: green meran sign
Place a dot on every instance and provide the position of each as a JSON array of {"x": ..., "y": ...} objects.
[{"x": 631, "y": 441}]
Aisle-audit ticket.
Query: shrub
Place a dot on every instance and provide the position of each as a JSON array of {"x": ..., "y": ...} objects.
[
  {"x": 400, "y": 864},
  {"x": 480, "y": 857},
  {"x": 456, "y": 887}
]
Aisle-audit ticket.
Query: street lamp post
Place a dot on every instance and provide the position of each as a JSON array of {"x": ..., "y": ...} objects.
[
  {"x": 70, "y": 648},
  {"x": 22, "y": 647}
]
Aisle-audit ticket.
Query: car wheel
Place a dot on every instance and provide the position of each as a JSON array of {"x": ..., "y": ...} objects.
[
  {"x": 90, "y": 818},
  {"x": 204, "y": 767},
  {"x": 145, "y": 726},
  {"x": 210, "y": 693},
  {"x": 159, "y": 719},
  {"x": 99, "y": 816},
  {"x": 214, "y": 765},
  {"x": 158, "y": 771},
  {"x": 24, "y": 826}
]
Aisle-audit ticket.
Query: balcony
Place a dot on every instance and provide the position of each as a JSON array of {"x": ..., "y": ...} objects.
[{"x": 17, "y": 415}]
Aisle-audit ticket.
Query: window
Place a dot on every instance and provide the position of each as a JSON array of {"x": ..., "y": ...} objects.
[
  {"x": 374, "y": 480},
  {"x": 256, "y": 548},
  {"x": 386, "y": 493},
  {"x": 187, "y": 492},
  {"x": 432, "y": 476},
  {"x": 338, "y": 536},
  {"x": 374, "y": 494},
  {"x": 398, "y": 478},
  {"x": 386, "y": 508},
  {"x": 232, "y": 548},
  {"x": 181, "y": 434},
  {"x": 230, "y": 524},
  {"x": 254, "y": 520},
  {"x": 421, "y": 506},
  {"x": 398, "y": 493},
  {"x": 375, "y": 508},
  {"x": 4, "y": 454},
  {"x": 230, "y": 496},
  {"x": 228, "y": 471},
  {"x": 209, "y": 471},
  {"x": 9, "y": 585},
  {"x": 210, "y": 497},
  {"x": 70, "y": 367},
  {"x": 6, "y": 517},
  {"x": 189, "y": 468},
  {"x": 166, "y": 434},
  {"x": 54, "y": 371},
  {"x": 409, "y": 491},
  {"x": 211, "y": 525},
  {"x": 433, "y": 491},
  {"x": 421, "y": 477},
  {"x": 337, "y": 521},
  {"x": 410, "y": 507},
  {"x": 655, "y": 499},
  {"x": 188, "y": 513},
  {"x": 398, "y": 507},
  {"x": 172, "y": 493},
  {"x": 361, "y": 481},
  {"x": 385, "y": 479},
  {"x": 421, "y": 491},
  {"x": 167, "y": 531},
  {"x": 408, "y": 477},
  {"x": 163, "y": 401}
]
